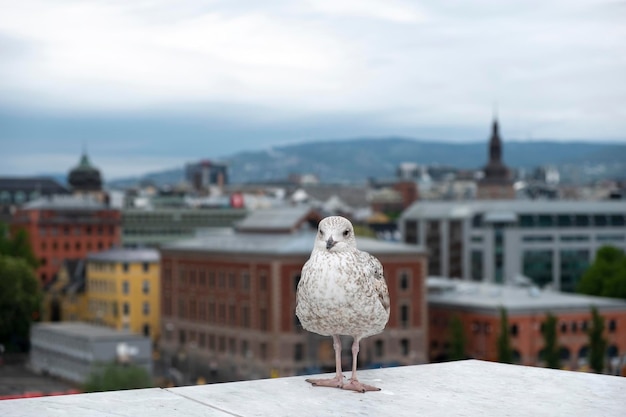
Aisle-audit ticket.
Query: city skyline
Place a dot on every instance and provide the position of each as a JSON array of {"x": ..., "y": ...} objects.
[{"x": 160, "y": 83}]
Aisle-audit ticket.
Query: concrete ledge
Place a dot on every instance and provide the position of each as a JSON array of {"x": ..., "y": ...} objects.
[{"x": 468, "y": 388}]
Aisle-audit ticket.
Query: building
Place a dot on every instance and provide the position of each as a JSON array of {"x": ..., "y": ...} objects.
[
  {"x": 228, "y": 300},
  {"x": 496, "y": 182},
  {"x": 206, "y": 174},
  {"x": 74, "y": 350},
  {"x": 152, "y": 228},
  {"x": 551, "y": 242},
  {"x": 14, "y": 192},
  {"x": 477, "y": 306},
  {"x": 66, "y": 227},
  {"x": 65, "y": 296},
  {"x": 86, "y": 180},
  {"x": 124, "y": 290}
]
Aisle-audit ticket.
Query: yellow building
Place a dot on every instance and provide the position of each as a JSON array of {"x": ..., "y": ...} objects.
[
  {"x": 124, "y": 291},
  {"x": 65, "y": 298}
]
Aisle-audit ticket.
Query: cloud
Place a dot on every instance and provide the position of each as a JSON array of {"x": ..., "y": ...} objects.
[{"x": 258, "y": 73}]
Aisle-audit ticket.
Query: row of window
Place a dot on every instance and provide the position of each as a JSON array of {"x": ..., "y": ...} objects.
[
  {"x": 484, "y": 327},
  {"x": 101, "y": 308},
  {"x": 233, "y": 346},
  {"x": 76, "y": 230},
  {"x": 108, "y": 286},
  {"x": 202, "y": 278},
  {"x": 77, "y": 245},
  {"x": 216, "y": 313},
  {"x": 575, "y": 238}
]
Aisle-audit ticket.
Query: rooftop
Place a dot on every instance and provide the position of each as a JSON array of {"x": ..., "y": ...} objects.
[
  {"x": 85, "y": 330},
  {"x": 65, "y": 202},
  {"x": 126, "y": 255},
  {"x": 509, "y": 208},
  {"x": 298, "y": 243},
  {"x": 464, "y": 388},
  {"x": 488, "y": 296}
]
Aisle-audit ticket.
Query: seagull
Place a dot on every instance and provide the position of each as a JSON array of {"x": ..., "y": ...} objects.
[{"x": 342, "y": 291}]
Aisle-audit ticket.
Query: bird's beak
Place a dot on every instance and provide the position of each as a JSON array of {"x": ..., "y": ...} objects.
[{"x": 330, "y": 243}]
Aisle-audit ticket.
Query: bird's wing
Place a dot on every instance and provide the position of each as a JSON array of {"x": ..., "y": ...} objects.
[{"x": 377, "y": 278}]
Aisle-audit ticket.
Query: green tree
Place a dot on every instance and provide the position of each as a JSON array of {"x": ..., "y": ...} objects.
[
  {"x": 606, "y": 276},
  {"x": 505, "y": 352},
  {"x": 20, "y": 301},
  {"x": 597, "y": 342},
  {"x": 17, "y": 245},
  {"x": 114, "y": 376},
  {"x": 551, "y": 348},
  {"x": 457, "y": 339}
]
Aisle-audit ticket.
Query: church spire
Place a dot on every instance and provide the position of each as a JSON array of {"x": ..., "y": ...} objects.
[{"x": 495, "y": 143}]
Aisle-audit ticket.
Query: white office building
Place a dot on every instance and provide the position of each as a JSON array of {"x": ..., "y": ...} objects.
[{"x": 551, "y": 242}]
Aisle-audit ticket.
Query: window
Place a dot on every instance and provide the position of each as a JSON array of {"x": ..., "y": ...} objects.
[
  {"x": 125, "y": 266},
  {"x": 298, "y": 352},
  {"x": 245, "y": 316},
  {"x": 612, "y": 326},
  {"x": 411, "y": 231},
  {"x": 514, "y": 330},
  {"x": 379, "y": 348},
  {"x": 126, "y": 309},
  {"x": 245, "y": 280},
  {"x": 125, "y": 287},
  {"x": 537, "y": 265},
  {"x": 146, "y": 286},
  {"x": 405, "y": 347},
  {"x": 263, "y": 322},
  {"x": 263, "y": 281},
  {"x": 146, "y": 267},
  {"x": 477, "y": 265},
  {"x": 146, "y": 308},
  {"x": 146, "y": 330},
  {"x": 404, "y": 280},
  {"x": 404, "y": 316}
]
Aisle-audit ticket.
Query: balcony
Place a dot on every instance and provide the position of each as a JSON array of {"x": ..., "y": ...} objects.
[{"x": 468, "y": 388}]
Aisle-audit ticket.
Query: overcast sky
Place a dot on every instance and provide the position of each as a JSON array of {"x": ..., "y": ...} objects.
[{"x": 151, "y": 84}]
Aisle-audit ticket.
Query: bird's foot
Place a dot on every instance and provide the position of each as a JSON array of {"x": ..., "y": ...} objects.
[
  {"x": 354, "y": 385},
  {"x": 336, "y": 382}
]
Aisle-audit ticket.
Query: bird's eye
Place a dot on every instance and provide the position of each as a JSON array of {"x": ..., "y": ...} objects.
[
  {"x": 346, "y": 233},
  {"x": 321, "y": 233}
]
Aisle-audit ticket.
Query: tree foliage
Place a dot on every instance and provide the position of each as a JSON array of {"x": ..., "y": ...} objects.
[
  {"x": 551, "y": 347},
  {"x": 505, "y": 351},
  {"x": 457, "y": 340},
  {"x": 20, "y": 301},
  {"x": 17, "y": 245},
  {"x": 606, "y": 276},
  {"x": 114, "y": 376},
  {"x": 597, "y": 342}
]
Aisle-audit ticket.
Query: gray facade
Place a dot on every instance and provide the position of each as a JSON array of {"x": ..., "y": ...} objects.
[
  {"x": 153, "y": 228},
  {"x": 72, "y": 350},
  {"x": 551, "y": 242}
]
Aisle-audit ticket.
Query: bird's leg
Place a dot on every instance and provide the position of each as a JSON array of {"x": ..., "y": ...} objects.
[
  {"x": 353, "y": 383},
  {"x": 337, "y": 381}
]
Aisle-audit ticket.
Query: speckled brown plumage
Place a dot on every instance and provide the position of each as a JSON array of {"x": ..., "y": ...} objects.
[{"x": 342, "y": 291}]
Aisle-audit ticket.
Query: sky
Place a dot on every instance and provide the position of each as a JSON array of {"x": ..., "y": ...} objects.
[{"x": 146, "y": 85}]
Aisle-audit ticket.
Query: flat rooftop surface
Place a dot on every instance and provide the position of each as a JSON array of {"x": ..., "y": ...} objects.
[{"x": 464, "y": 388}]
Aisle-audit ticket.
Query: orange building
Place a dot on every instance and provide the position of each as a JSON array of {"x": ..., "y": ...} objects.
[
  {"x": 67, "y": 227},
  {"x": 477, "y": 306},
  {"x": 228, "y": 301}
]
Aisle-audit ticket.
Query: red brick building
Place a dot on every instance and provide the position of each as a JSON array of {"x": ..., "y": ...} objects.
[
  {"x": 67, "y": 227},
  {"x": 228, "y": 301},
  {"x": 477, "y": 306}
]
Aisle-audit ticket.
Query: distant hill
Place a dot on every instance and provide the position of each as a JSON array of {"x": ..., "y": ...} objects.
[{"x": 355, "y": 160}]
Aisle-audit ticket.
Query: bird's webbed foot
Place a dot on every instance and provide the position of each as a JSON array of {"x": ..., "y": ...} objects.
[
  {"x": 336, "y": 382},
  {"x": 354, "y": 385}
]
